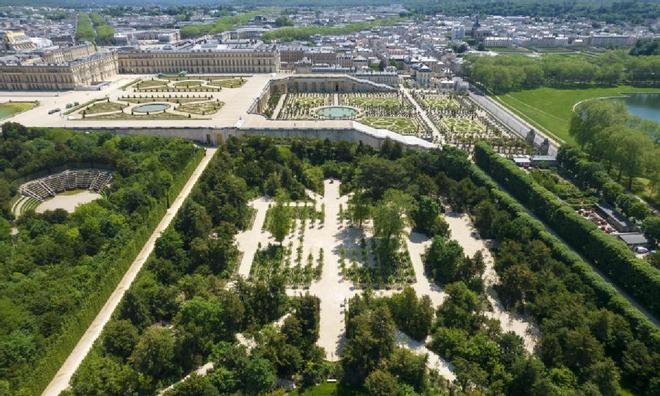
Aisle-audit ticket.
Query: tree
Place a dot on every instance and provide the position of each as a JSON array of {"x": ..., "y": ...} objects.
[
  {"x": 381, "y": 383},
  {"x": 195, "y": 385},
  {"x": 370, "y": 340},
  {"x": 154, "y": 353},
  {"x": 259, "y": 376},
  {"x": 280, "y": 219},
  {"x": 462, "y": 308},
  {"x": 283, "y": 21},
  {"x": 651, "y": 228},
  {"x": 412, "y": 315},
  {"x": 408, "y": 367},
  {"x": 443, "y": 260},
  {"x": 590, "y": 118},
  {"x": 630, "y": 152},
  {"x": 427, "y": 217},
  {"x": 358, "y": 207},
  {"x": 120, "y": 337},
  {"x": 193, "y": 221},
  {"x": 390, "y": 219},
  {"x": 104, "y": 376}
]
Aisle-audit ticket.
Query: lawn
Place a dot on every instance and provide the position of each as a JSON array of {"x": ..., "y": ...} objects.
[
  {"x": 104, "y": 107},
  {"x": 407, "y": 126},
  {"x": 10, "y": 109},
  {"x": 549, "y": 109}
]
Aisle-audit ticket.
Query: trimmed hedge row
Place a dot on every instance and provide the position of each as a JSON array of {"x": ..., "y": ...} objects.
[
  {"x": 608, "y": 254},
  {"x": 607, "y": 295},
  {"x": 75, "y": 327}
]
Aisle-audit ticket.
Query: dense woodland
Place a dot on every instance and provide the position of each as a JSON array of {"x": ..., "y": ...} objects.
[
  {"x": 505, "y": 73},
  {"x": 60, "y": 268},
  {"x": 183, "y": 311}
]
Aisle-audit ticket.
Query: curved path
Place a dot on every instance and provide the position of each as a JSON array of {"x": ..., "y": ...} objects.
[{"x": 61, "y": 380}]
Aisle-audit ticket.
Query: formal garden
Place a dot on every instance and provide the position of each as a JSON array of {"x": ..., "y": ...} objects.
[
  {"x": 153, "y": 107},
  {"x": 390, "y": 111},
  {"x": 186, "y": 83},
  {"x": 300, "y": 106},
  {"x": 462, "y": 123}
]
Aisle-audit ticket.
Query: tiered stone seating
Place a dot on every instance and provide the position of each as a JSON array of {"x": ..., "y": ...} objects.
[{"x": 92, "y": 179}]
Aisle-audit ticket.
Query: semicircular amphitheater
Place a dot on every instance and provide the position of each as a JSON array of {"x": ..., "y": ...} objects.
[{"x": 64, "y": 190}]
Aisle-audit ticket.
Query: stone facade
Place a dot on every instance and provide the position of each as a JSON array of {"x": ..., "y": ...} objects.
[
  {"x": 264, "y": 59},
  {"x": 83, "y": 72}
]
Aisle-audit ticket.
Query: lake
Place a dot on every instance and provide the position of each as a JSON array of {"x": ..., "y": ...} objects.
[{"x": 646, "y": 106}]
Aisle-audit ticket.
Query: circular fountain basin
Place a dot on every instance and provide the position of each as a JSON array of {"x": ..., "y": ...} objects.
[
  {"x": 337, "y": 112},
  {"x": 151, "y": 108}
]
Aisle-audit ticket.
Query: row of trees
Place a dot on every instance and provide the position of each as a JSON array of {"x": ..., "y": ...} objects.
[
  {"x": 105, "y": 34},
  {"x": 622, "y": 143},
  {"x": 94, "y": 28},
  {"x": 84, "y": 29},
  {"x": 222, "y": 24},
  {"x": 61, "y": 267},
  {"x": 608, "y": 254},
  {"x": 505, "y": 73},
  {"x": 306, "y": 32}
]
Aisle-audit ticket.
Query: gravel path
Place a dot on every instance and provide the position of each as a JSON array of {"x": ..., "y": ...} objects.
[
  {"x": 248, "y": 241},
  {"x": 464, "y": 233},
  {"x": 61, "y": 380}
]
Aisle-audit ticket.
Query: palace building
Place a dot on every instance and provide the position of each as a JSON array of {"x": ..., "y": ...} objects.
[
  {"x": 202, "y": 59},
  {"x": 82, "y": 67},
  {"x": 40, "y": 75}
]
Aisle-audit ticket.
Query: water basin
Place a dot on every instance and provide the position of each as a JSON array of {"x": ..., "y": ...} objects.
[
  {"x": 337, "y": 112},
  {"x": 151, "y": 108}
]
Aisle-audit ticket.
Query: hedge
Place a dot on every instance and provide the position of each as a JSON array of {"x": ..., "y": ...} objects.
[
  {"x": 607, "y": 295},
  {"x": 609, "y": 255}
]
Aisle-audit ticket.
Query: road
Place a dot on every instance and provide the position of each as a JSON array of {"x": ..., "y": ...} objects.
[
  {"x": 515, "y": 123},
  {"x": 63, "y": 376}
]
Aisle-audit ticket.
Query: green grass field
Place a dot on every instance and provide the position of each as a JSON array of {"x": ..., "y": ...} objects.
[
  {"x": 10, "y": 109},
  {"x": 549, "y": 109}
]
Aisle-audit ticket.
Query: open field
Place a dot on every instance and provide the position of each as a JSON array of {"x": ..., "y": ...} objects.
[
  {"x": 9, "y": 109},
  {"x": 549, "y": 109}
]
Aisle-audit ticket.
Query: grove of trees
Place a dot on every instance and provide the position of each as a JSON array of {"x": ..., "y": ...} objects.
[
  {"x": 183, "y": 312},
  {"x": 626, "y": 146},
  {"x": 504, "y": 73},
  {"x": 60, "y": 268}
]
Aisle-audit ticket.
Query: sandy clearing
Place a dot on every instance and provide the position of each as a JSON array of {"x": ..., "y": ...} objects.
[
  {"x": 417, "y": 244},
  {"x": 68, "y": 202},
  {"x": 248, "y": 241}
]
